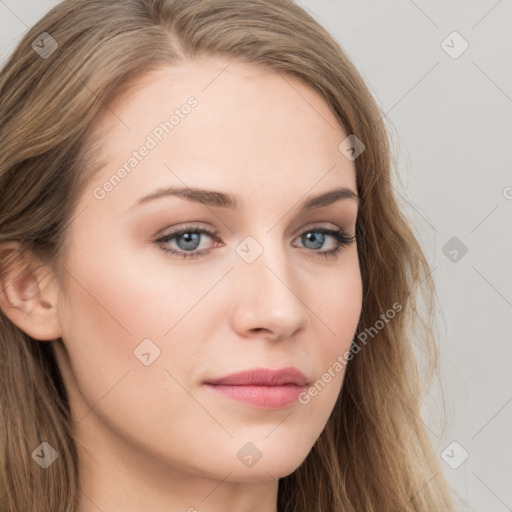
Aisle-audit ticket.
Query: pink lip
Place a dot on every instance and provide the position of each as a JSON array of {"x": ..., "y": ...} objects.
[{"x": 262, "y": 387}]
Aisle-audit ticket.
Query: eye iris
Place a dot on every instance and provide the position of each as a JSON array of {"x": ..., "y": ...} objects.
[
  {"x": 191, "y": 240},
  {"x": 317, "y": 239}
]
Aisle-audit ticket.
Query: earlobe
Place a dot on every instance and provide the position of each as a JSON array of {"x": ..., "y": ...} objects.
[{"x": 28, "y": 293}]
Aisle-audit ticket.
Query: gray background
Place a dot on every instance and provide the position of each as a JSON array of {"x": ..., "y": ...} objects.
[{"x": 450, "y": 124}]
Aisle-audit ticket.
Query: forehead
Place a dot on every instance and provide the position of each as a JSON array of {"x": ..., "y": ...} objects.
[{"x": 213, "y": 122}]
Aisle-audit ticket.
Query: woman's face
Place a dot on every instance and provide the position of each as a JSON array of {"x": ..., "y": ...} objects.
[{"x": 144, "y": 328}]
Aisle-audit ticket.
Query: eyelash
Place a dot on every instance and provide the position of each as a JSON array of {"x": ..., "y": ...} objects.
[{"x": 343, "y": 239}]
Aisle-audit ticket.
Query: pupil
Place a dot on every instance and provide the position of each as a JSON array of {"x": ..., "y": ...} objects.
[
  {"x": 317, "y": 239},
  {"x": 191, "y": 241}
]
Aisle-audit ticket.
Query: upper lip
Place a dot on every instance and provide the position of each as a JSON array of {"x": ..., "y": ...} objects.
[{"x": 263, "y": 377}]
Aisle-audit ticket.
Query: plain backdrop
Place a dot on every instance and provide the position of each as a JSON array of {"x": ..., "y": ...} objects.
[{"x": 447, "y": 99}]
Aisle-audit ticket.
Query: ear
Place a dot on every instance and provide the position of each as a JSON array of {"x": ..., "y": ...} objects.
[{"x": 28, "y": 293}]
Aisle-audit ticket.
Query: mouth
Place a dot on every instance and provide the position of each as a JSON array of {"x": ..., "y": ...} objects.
[{"x": 262, "y": 387}]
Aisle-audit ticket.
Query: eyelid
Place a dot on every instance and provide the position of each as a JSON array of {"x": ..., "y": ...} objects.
[
  {"x": 318, "y": 225},
  {"x": 177, "y": 228}
]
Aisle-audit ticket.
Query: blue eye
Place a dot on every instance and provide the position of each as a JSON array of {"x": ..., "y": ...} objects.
[
  {"x": 316, "y": 237},
  {"x": 188, "y": 239}
]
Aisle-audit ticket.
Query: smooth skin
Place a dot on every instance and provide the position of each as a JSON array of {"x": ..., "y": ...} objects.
[{"x": 153, "y": 437}]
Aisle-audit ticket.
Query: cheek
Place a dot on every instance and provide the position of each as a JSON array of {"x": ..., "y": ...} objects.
[
  {"x": 337, "y": 304},
  {"x": 337, "y": 308},
  {"x": 108, "y": 313},
  {"x": 116, "y": 301},
  {"x": 96, "y": 334}
]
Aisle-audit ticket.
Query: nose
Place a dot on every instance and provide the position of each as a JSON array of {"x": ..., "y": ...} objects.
[{"x": 268, "y": 297}]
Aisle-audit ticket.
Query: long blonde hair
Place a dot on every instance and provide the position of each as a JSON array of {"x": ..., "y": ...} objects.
[{"x": 374, "y": 454}]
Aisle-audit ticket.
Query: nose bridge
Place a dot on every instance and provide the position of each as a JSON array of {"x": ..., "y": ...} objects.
[
  {"x": 268, "y": 292},
  {"x": 262, "y": 255}
]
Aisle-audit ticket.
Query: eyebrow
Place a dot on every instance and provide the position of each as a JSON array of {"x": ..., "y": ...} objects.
[{"x": 217, "y": 199}]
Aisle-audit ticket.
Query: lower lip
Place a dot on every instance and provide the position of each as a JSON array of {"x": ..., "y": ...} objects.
[{"x": 265, "y": 397}]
